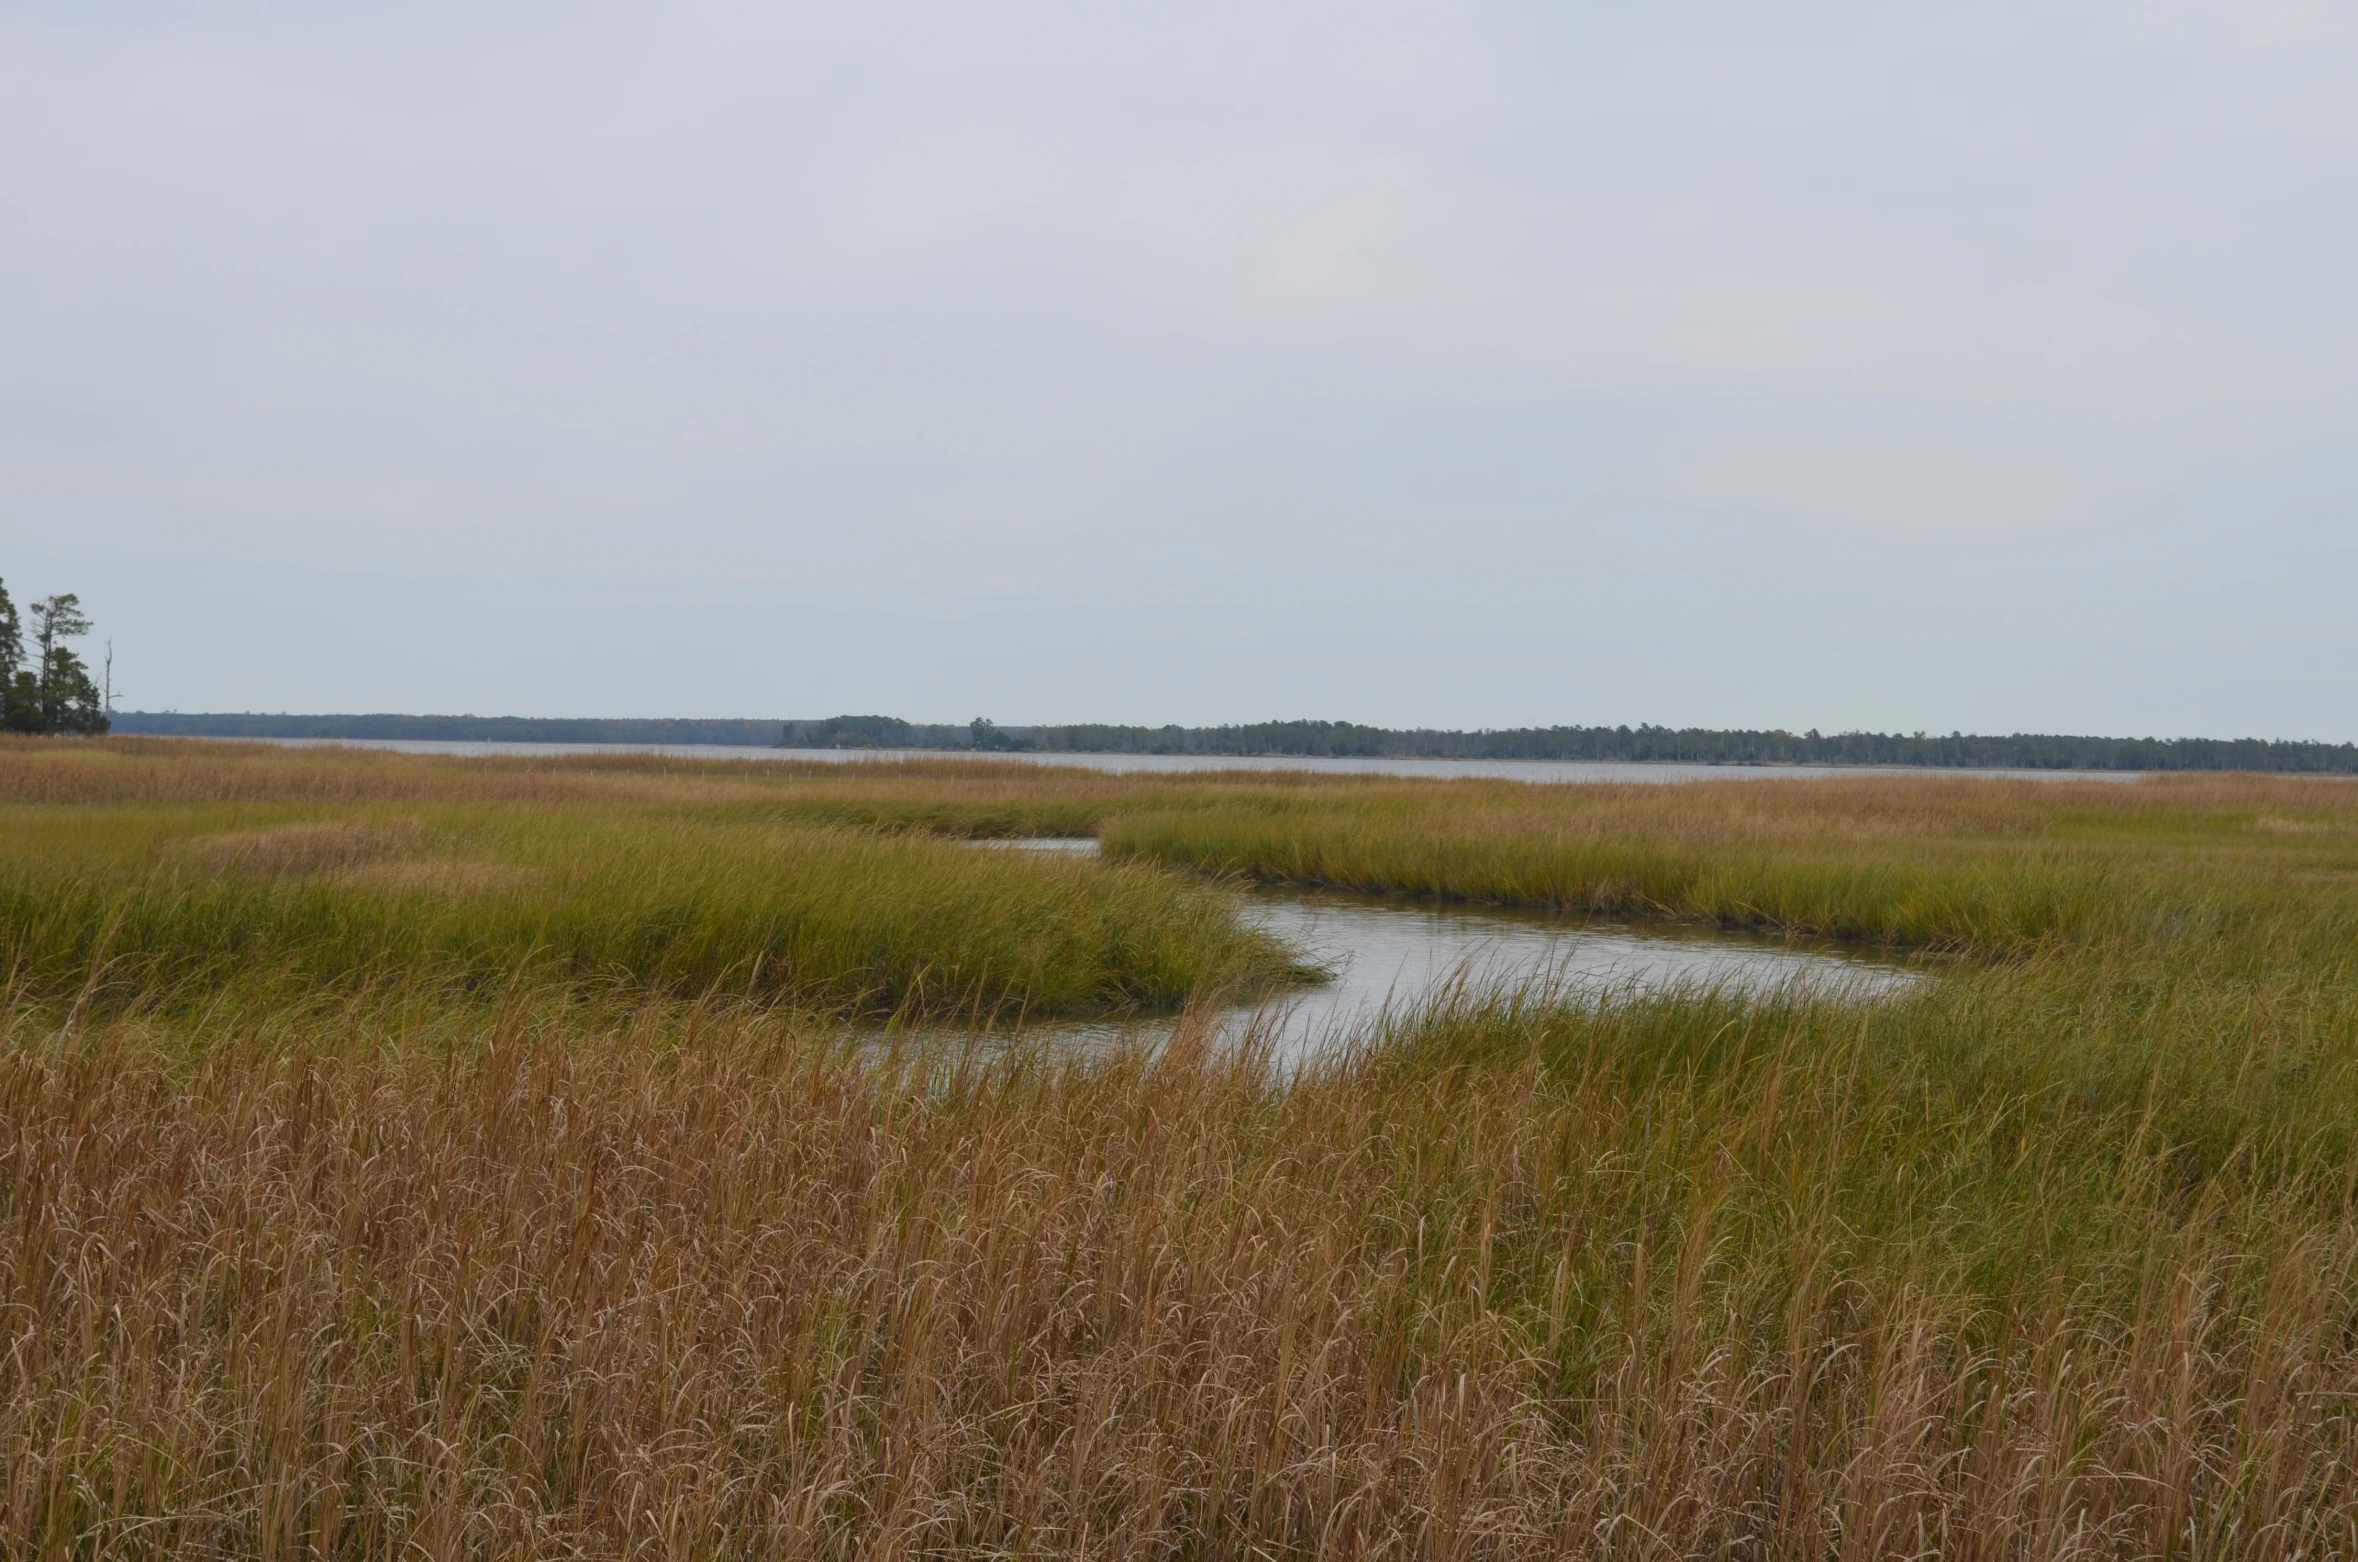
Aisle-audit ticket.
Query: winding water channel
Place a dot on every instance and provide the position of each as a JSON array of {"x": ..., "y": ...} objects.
[{"x": 1394, "y": 953}]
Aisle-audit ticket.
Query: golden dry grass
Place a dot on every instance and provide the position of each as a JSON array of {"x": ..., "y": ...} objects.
[
  {"x": 2053, "y": 1257},
  {"x": 316, "y": 847},
  {"x": 566, "y": 1292}
]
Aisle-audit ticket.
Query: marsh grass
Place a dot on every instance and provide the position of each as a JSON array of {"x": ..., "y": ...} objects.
[
  {"x": 2243, "y": 872},
  {"x": 2054, "y": 1256},
  {"x": 847, "y": 921},
  {"x": 158, "y": 886},
  {"x": 698, "y": 1282}
]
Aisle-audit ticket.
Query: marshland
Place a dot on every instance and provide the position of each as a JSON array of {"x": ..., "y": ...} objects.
[{"x": 616, "y": 1155}]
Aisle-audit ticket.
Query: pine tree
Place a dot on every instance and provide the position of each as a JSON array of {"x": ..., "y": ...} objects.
[
  {"x": 20, "y": 702},
  {"x": 12, "y": 637},
  {"x": 56, "y": 693}
]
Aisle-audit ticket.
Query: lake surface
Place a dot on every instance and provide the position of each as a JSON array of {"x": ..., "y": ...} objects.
[
  {"x": 1395, "y": 953},
  {"x": 1535, "y": 770}
]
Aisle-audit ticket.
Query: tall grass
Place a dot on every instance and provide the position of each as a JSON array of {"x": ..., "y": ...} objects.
[
  {"x": 2053, "y": 1256},
  {"x": 185, "y": 903},
  {"x": 2207, "y": 867},
  {"x": 573, "y": 1287}
]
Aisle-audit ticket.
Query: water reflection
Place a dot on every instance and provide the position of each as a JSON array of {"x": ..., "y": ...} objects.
[
  {"x": 1537, "y": 771},
  {"x": 1394, "y": 953}
]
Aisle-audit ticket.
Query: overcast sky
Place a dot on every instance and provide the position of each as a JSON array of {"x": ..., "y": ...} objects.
[{"x": 1989, "y": 367}]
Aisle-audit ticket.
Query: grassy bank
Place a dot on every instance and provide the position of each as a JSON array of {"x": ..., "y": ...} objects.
[
  {"x": 2244, "y": 871},
  {"x": 2053, "y": 1256},
  {"x": 177, "y": 897},
  {"x": 711, "y": 1288}
]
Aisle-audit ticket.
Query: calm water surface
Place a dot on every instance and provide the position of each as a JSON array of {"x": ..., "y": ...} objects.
[
  {"x": 1541, "y": 770},
  {"x": 1394, "y": 953}
]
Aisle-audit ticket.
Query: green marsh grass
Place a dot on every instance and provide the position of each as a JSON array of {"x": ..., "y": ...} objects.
[
  {"x": 2233, "y": 870},
  {"x": 2054, "y": 1255},
  {"x": 194, "y": 898}
]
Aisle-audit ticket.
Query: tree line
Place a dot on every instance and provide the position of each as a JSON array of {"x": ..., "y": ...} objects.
[
  {"x": 55, "y": 692},
  {"x": 1688, "y": 745},
  {"x": 1321, "y": 739}
]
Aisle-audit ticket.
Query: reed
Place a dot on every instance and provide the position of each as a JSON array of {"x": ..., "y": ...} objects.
[
  {"x": 2054, "y": 1255},
  {"x": 2229, "y": 870},
  {"x": 180, "y": 904},
  {"x": 707, "y": 1285}
]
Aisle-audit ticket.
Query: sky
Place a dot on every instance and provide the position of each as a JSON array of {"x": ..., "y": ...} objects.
[{"x": 1901, "y": 367}]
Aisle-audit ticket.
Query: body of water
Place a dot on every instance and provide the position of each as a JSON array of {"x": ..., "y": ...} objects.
[
  {"x": 1390, "y": 954},
  {"x": 1534, "y": 770},
  {"x": 1394, "y": 953}
]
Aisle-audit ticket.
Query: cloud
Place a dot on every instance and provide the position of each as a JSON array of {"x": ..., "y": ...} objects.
[
  {"x": 1897, "y": 488},
  {"x": 1476, "y": 314}
]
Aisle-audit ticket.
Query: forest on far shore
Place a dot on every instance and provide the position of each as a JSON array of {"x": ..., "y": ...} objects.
[
  {"x": 1313, "y": 739},
  {"x": 1683, "y": 745}
]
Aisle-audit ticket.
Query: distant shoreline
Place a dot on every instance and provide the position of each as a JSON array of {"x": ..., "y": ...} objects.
[
  {"x": 1534, "y": 771},
  {"x": 1731, "y": 748}
]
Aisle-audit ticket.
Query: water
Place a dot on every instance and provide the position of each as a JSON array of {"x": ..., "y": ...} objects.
[
  {"x": 1534, "y": 770},
  {"x": 1394, "y": 953},
  {"x": 1390, "y": 954}
]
